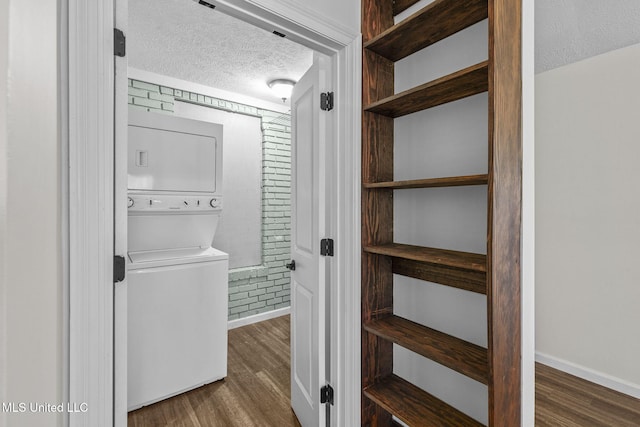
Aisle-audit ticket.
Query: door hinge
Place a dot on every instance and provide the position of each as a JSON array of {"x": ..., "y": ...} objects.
[
  {"x": 326, "y": 101},
  {"x": 206, "y": 3},
  {"x": 326, "y": 394},
  {"x": 119, "y": 268},
  {"x": 119, "y": 43},
  {"x": 326, "y": 247}
]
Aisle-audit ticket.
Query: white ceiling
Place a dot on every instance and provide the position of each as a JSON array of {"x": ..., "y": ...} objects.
[
  {"x": 570, "y": 30},
  {"x": 188, "y": 41}
]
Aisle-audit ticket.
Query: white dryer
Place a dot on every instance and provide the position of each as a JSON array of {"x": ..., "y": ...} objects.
[{"x": 177, "y": 283}]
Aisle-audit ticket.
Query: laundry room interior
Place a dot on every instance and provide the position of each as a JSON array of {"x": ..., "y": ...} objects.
[{"x": 209, "y": 209}]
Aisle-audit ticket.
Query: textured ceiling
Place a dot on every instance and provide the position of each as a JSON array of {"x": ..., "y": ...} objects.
[
  {"x": 570, "y": 30},
  {"x": 182, "y": 39}
]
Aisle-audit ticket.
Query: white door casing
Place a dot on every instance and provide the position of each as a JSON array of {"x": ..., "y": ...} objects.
[
  {"x": 121, "y": 86},
  {"x": 90, "y": 216},
  {"x": 308, "y": 224}
]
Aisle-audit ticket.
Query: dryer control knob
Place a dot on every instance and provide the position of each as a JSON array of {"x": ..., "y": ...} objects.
[
  {"x": 214, "y": 203},
  {"x": 130, "y": 203}
]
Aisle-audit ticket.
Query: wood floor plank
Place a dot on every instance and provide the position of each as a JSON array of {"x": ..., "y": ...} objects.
[
  {"x": 565, "y": 400},
  {"x": 175, "y": 413},
  {"x": 256, "y": 392}
]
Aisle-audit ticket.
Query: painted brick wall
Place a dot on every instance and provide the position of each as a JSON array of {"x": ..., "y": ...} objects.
[{"x": 252, "y": 290}]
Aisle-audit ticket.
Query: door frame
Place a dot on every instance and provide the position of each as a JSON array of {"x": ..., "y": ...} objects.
[{"x": 89, "y": 112}]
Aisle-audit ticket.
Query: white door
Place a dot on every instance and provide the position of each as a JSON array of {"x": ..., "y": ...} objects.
[{"x": 308, "y": 226}]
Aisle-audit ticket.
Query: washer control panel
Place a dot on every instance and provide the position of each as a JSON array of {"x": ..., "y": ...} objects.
[{"x": 165, "y": 203}]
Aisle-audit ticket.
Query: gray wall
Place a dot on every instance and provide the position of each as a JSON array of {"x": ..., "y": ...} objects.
[
  {"x": 30, "y": 222},
  {"x": 240, "y": 228},
  {"x": 587, "y": 205},
  {"x": 444, "y": 141}
]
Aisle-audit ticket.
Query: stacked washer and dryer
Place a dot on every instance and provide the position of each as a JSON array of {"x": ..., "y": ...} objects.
[{"x": 177, "y": 283}]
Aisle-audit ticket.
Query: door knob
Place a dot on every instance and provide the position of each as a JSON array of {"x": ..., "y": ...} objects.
[{"x": 292, "y": 265}]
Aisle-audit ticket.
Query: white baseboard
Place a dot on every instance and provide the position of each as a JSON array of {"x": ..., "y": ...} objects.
[
  {"x": 596, "y": 377},
  {"x": 258, "y": 318}
]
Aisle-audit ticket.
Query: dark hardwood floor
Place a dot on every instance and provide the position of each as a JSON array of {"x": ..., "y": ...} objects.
[
  {"x": 256, "y": 392},
  {"x": 568, "y": 401}
]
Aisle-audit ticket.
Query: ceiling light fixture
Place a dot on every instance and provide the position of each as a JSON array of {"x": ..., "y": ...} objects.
[{"x": 282, "y": 88}]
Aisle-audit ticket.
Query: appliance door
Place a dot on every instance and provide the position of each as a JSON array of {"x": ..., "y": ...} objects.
[
  {"x": 177, "y": 329},
  {"x": 164, "y": 160}
]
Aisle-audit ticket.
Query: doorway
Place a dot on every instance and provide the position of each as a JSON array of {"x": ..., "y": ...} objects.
[{"x": 255, "y": 146}]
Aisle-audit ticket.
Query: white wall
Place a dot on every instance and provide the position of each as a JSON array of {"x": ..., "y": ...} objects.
[
  {"x": 447, "y": 140},
  {"x": 4, "y": 59},
  {"x": 31, "y": 257},
  {"x": 240, "y": 228},
  {"x": 587, "y": 218}
]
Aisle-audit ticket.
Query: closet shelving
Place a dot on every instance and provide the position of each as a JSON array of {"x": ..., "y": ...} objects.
[{"x": 496, "y": 274}]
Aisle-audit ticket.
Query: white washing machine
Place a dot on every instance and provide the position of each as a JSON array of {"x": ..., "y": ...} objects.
[{"x": 177, "y": 283}]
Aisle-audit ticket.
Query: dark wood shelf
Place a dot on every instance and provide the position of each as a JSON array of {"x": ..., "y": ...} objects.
[
  {"x": 415, "y": 406},
  {"x": 445, "y": 257},
  {"x": 461, "y": 356},
  {"x": 461, "y": 84},
  {"x": 432, "y": 23},
  {"x": 462, "y": 270},
  {"x": 453, "y": 181}
]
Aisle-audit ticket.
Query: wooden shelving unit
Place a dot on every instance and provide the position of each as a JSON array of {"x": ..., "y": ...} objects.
[{"x": 497, "y": 274}]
